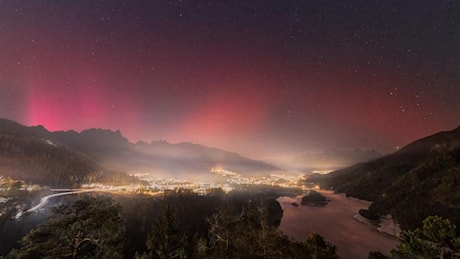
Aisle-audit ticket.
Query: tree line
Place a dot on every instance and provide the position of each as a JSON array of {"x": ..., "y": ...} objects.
[{"x": 184, "y": 225}]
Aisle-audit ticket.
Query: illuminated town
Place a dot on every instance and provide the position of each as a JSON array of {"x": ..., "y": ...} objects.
[{"x": 153, "y": 186}]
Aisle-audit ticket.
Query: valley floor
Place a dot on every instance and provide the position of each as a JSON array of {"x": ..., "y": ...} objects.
[{"x": 336, "y": 224}]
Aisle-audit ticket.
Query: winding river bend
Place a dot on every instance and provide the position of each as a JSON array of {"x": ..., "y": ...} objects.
[{"x": 335, "y": 222}]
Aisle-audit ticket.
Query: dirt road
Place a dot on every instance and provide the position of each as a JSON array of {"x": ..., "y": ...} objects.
[{"x": 336, "y": 224}]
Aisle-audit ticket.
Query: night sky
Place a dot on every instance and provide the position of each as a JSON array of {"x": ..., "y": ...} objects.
[{"x": 267, "y": 79}]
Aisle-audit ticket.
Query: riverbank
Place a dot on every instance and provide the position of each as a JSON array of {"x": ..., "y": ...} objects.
[{"x": 336, "y": 223}]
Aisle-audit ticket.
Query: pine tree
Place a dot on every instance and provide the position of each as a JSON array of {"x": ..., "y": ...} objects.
[
  {"x": 438, "y": 238},
  {"x": 91, "y": 227},
  {"x": 165, "y": 239}
]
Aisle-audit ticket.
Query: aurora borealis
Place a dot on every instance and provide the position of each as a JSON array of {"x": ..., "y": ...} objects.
[{"x": 264, "y": 78}]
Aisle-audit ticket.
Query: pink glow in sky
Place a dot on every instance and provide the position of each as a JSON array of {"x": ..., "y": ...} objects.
[{"x": 258, "y": 77}]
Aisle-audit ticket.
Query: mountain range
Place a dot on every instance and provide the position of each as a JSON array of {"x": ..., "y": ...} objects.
[
  {"x": 38, "y": 155},
  {"x": 419, "y": 180}
]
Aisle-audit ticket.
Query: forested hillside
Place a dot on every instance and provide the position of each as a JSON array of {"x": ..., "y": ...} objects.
[
  {"x": 420, "y": 180},
  {"x": 33, "y": 155},
  {"x": 44, "y": 162}
]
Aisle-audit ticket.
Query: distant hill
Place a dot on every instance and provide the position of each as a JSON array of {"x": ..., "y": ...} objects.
[
  {"x": 110, "y": 150},
  {"x": 198, "y": 159},
  {"x": 332, "y": 159},
  {"x": 421, "y": 179},
  {"x": 160, "y": 158}
]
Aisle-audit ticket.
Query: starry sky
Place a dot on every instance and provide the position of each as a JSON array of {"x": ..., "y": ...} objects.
[{"x": 268, "y": 79}]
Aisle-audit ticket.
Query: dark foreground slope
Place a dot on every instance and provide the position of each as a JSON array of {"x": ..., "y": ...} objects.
[{"x": 421, "y": 179}]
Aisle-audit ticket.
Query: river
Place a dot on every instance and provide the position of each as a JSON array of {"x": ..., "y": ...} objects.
[{"x": 336, "y": 224}]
